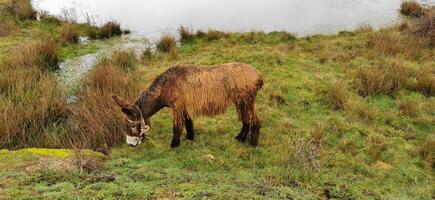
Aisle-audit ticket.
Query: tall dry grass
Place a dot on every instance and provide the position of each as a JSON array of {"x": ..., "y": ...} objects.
[
  {"x": 166, "y": 43},
  {"x": 110, "y": 29},
  {"x": 42, "y": 55},
  {"x": 30, "y": 104},
  {"x": 384, "y": 78},
  {"x": 69, "y": 33},
  {"x": 186, "y": 34},
  {"x": 337, "y": 95},
  {"x": 124, "y": 59},
  {"x": 426, "y": 27},
  {"x": 412, "y": 8},
  {"x": 97, "y": 119},
  {"x": 22, "y": 9}
]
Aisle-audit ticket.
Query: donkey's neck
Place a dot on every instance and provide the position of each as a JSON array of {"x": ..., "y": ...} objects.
[{"x": 149, "y": 103}]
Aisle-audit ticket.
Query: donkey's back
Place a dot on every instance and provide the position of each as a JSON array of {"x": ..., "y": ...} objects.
[{"x": 202, "y": 90}]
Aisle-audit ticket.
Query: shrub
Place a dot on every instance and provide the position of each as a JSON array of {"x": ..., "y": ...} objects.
[
  {"x": 42, "y": 55},
  {"x": 126, "y": 60},
  {"x": 110, "y": 29},
  {"x": 22, "y": 9},
  {"x": 386, "y": 78},
  {"x": 186, "y": 35},
  {"x": 166, "y": 43},
  {"x": 411, "y": 8},
  {"x": 337, "y": 96},
  {"x": 69, "y": 33},
  {"x": 98, "y": 120}
]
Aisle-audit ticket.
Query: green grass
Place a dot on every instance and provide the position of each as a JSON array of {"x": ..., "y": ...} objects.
[{"x": 361, "y": 158}]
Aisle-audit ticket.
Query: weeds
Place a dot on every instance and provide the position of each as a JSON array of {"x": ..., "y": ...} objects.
[
  {"x": 22, "y": 9},
  {"x": 110, "y": 29},
  {"x": 411, "y": 8},
  {"x": 69, "y": 33},
  {"x": 166, "y": 43}
]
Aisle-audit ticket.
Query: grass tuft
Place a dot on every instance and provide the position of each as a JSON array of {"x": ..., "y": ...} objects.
[
  {"x": 69, "y": 33},
  {"x": 337, "y": 96},
  {"x": 409, "y": 108},
  {"x": 426, "y": 28},
  {"x": 427, "y": 152},
  {"x": 42, "y": 55},
  {"x": 124, "y": 59},
  {"x": 186, "y": 34},
  {"x": 411, "y": 8},
  {"x": 166, "y": 43},
  {"x": 425, "y": 81},
  {"x": 22, "y": 9},
  {"x": 386, "y": 78},
  {"x": 110, "y": 29},
  {"x": 215, "y": 35}
]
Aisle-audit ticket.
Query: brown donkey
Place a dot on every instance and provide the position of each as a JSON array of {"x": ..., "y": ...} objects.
[{"x": 193, "y": 91}]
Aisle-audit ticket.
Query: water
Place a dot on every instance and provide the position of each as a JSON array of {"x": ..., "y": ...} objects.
[
  {"x": 303, "y": 17},
  {"x": 151, "y": 18}
]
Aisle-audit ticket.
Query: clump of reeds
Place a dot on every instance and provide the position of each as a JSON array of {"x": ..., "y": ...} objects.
[
  {"x": 337, "y": 95},
  {"x": 411, "y": 8},
  {"x": 166, "y": 43},
  {"x": 42, "y": 55},
  {"x": 385, "y": 78},
  {"x": 125, "y": 59},
  {"x": 186, "y": 34},
  {"x": 69, "y": 33},
  {"x": 110, "y": 29},
  {"x": 98, "y": 120},
  {"x": 215, "y": 35},
  {"x": 426, "y": 27},
  {"x": 23, "y": 9}
]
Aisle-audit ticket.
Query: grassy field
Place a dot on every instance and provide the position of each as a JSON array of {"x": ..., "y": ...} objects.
[{"x": 346, "y": 116}]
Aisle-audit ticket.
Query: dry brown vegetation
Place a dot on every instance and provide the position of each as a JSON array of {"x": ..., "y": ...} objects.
[
  {"x": 426, "y": 28},
  {"x": 42, "y": 55},
  {"x": 338, "y": 96},
  {"x": 124, "y": 59},
  {"x": 110, "y": 29},
  {"x": 97, "y": 120},
  {"x": 215, "y": 35},
  {"x": 186, "y": 34},
  {"x": 411, "y": 8},
  {"x": 22, "y": 9},
  {"x": 167, "y": 43},
  {"x": 408, "y": 108},
  {"x": 427, "y": 152},
  {"x": 425, "y": 81},
  {"x": 384, "y": 78},
  {"x": 69, "y": 33}
]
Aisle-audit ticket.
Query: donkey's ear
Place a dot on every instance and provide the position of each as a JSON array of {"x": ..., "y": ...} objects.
[{"x": 119, "y": 101}]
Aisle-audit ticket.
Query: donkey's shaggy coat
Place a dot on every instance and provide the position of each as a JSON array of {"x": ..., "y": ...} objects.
[{"x": 199, "y": 90}]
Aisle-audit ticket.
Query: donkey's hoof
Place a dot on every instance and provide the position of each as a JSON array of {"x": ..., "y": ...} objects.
[
  {"x": 175, "y": 144},
  {"x": 239, "y": 138}
]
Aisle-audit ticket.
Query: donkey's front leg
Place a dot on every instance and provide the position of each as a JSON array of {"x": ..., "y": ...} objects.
[{"x": 177, "y": 128}]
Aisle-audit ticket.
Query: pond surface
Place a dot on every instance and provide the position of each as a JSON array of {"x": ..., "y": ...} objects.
[{"x": 303, "y": 17}]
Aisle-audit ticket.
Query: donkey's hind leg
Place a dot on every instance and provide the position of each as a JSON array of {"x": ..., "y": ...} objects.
[
  {"x": 189, "y": 127},
  {"x": 242, "y": 111}
]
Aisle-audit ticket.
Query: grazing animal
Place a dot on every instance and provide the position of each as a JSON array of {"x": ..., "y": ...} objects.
[{"x": 191, "y": 91}]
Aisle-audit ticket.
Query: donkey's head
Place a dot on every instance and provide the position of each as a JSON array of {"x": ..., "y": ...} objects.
[{"x": 134, "y": 122}]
